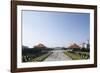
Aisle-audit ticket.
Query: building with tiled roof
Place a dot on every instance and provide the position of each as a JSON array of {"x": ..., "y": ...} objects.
[
  {"x": 74, "y": 47},
  {"x": 39, "y": 46}
]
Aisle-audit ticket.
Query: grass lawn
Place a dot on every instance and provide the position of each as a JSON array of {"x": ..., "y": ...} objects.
[
  {"x": 77, "y": 56},
  {"x": 41, "y": 58}
]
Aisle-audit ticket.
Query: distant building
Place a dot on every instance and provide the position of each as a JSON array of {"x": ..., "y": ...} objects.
[
  {"x": 86, "y": 45},
  {"x": 74, "y": 47},
  {"x": 39, "y": 46}
]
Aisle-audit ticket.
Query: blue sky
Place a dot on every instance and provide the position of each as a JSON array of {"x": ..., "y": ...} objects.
[{"x": 54, "y": 29}]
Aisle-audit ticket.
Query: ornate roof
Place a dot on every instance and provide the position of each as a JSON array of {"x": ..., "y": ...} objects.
[
  {"x": 74, "y": 46},
  {"x": 40, "y": 46}
]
